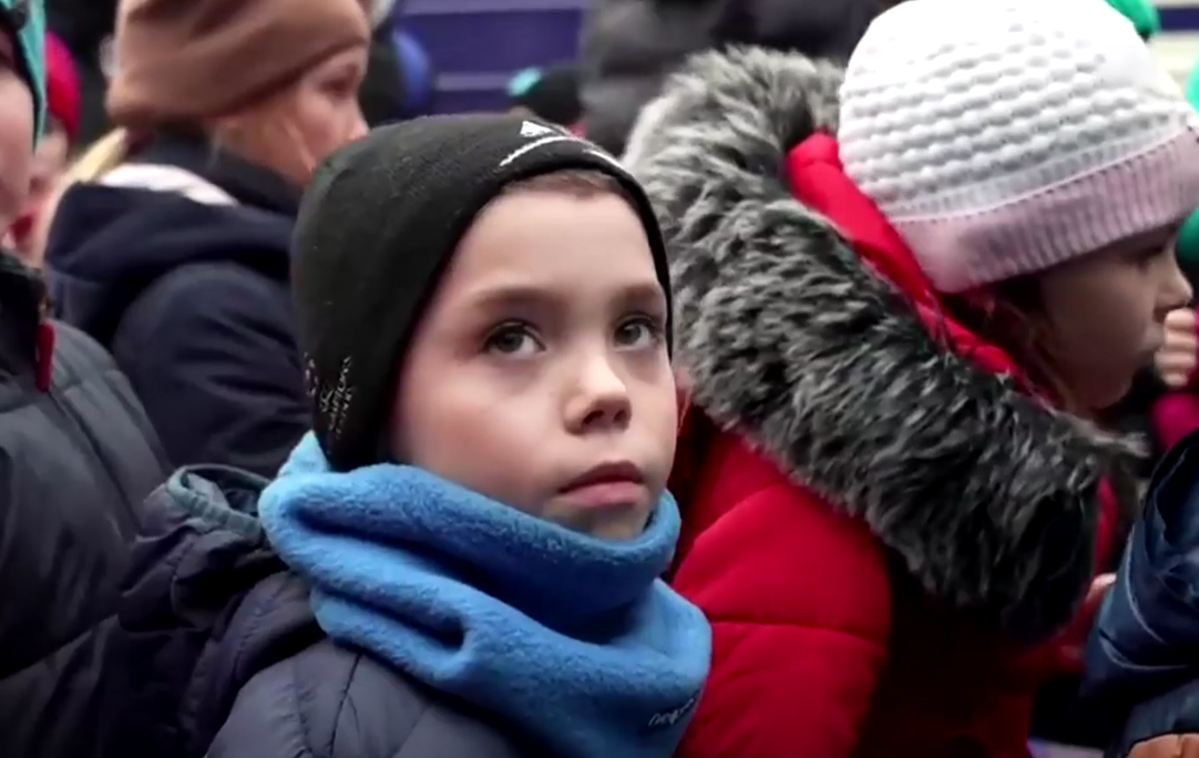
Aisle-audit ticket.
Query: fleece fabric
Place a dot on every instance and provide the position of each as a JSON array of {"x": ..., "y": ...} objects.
[{"x": 572, "y": 641}]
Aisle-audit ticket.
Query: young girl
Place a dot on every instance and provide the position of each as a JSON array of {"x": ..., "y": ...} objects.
[
  {"x": 479, "y": 518},
  {"x": 902, "y": 288}
]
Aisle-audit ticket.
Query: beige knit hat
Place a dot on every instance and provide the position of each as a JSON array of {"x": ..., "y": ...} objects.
[{"x": 184, "y": 60}]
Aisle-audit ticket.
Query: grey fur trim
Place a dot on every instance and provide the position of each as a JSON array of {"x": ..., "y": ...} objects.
[{"x": 987, "y": 497}]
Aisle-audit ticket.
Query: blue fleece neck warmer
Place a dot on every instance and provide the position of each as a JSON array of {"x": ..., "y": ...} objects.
[
  {"x": 572, "y": 642},
  {"x": 29, "y": 19}
]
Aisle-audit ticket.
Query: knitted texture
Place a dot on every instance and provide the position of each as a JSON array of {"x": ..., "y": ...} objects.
[
  {"x": 1005, "y": 137},
  {"x": 378, "y": 227},
  {"x": 184, "y": 62}
]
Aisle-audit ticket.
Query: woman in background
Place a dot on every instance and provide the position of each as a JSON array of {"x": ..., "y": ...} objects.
[{"x": 172, "y": 250}]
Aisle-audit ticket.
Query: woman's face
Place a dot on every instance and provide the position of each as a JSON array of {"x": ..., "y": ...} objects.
[
  {"x": 294, "y": 132},
  {"x": 327, "y": 114},
  {"x": 1106, "y": 310}
]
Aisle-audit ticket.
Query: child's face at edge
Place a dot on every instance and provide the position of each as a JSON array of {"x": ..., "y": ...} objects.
[
  {"x": 16, "y": 134},
  {"x": 542, "y": 360}
]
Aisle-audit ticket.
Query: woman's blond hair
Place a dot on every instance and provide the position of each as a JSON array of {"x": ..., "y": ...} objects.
[{"x": 258, "y": 132}]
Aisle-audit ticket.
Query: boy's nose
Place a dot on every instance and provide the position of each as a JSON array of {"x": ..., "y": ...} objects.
[{"x": 601, "y": 400}]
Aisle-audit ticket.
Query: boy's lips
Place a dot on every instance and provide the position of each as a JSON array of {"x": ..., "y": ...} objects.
[{"x": 617, "y": 483}]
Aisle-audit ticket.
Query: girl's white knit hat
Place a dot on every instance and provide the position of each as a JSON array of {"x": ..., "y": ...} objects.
[{"x": 1002, "y": 137}]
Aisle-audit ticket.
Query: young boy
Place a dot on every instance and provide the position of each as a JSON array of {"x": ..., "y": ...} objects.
[{"x": 479, "y": 518}]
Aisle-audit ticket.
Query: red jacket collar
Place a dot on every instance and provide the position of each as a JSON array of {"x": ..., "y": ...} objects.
[{"x": 817, "y": 179}]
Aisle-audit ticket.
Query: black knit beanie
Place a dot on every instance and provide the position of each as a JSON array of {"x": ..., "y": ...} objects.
[{"x": 378, "y": 224}]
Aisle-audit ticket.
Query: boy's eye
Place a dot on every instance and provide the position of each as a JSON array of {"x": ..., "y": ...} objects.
[
  {"x": 638, "y": 332},
  {"x": 512, "y": 339}
]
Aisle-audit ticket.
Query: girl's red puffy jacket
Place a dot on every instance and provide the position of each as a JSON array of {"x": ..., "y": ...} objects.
[{"x": 887, "y": 534}]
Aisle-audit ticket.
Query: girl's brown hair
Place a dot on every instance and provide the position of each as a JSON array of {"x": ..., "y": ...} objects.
[{"x": 1011, "y": 315}]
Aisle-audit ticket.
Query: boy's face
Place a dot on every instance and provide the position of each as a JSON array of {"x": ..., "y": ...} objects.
[
  {"x": 16, "y": 134},
  {"x": 539, "y": 374}
]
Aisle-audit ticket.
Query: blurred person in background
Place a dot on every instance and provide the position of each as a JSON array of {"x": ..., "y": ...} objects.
[
  {"x": 77, "y": 457},
  {"x": 550, "y": 93},
  {"x": 381, "y": 95},
  {"x": 85, "y": 28},
  {"x": 53, "y": 150},
  {"x": 630, "y": 46},
  {"x": 172, "y": 247},
  {"x": 399, "y": 76}
]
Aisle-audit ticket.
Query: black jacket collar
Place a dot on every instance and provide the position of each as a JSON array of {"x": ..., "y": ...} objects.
[{"x": 21, "y": 293}]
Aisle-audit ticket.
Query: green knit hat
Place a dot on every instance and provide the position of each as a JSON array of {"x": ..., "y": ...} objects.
[
  {"x": 1142, "y": 14},
  {"x": 28, "y": 19}
]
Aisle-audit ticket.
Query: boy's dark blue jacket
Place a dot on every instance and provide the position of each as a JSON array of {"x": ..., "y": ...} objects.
[
  {"x": 178, "y": 263},
  {"x": 1143, "y": 655},
  {"x": 209, "y": 618}
]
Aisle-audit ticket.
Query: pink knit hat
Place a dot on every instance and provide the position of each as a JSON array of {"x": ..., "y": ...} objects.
[{"x": 1005, "y": 137}]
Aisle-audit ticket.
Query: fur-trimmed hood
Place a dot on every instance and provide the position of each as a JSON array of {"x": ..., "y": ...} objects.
[{"x": 987, "y": 497}]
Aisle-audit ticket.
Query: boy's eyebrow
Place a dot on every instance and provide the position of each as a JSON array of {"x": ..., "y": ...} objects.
[
  {"x": 510, "y": 294},
  {"x": 514, "y": 294},
  {"x": 645, "y": 291}
]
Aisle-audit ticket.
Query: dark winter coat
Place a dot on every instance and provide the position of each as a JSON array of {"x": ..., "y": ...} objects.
[
  {"x": 1141, "y": 658},
  {"x": 178, "y": 262},
  {"x": 629, "y": 46},
  {"x": 270, "y": 684},
  {"x": 76, "y": 461}
]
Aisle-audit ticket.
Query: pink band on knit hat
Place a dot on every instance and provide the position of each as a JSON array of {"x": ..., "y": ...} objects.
[{"x": 1150, "y": 190}]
